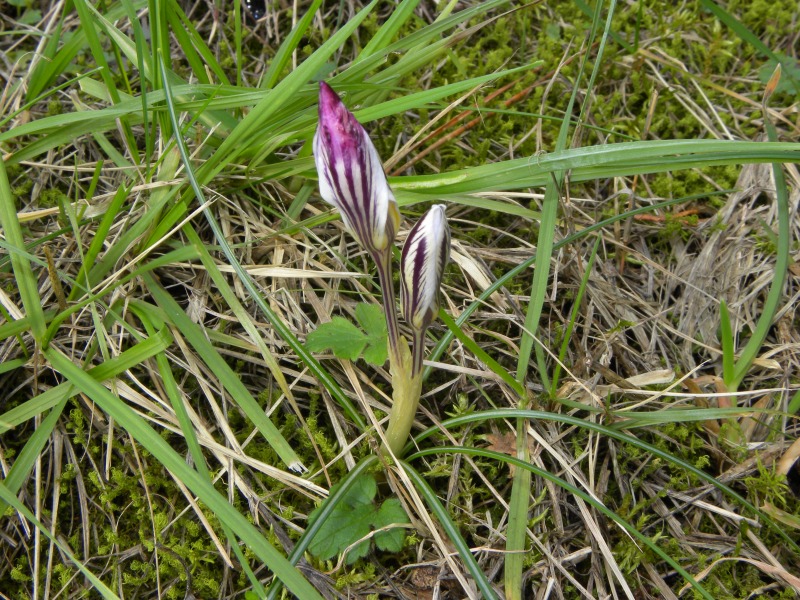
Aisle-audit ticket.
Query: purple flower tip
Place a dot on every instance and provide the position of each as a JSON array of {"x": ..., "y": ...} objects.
[{"x": 351, "y": 175}]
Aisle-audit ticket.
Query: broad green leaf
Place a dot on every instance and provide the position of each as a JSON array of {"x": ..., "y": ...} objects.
[
  {"x": 353, "y": 518},
  {"x": 349, "y": 342},
  {"x": 373, "y": 321},
  {"x": 340, "y": 336},
  {"x": 390, "y": 513}
]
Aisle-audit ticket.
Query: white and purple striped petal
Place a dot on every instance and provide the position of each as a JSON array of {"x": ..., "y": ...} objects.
[
  {"x": 351, "y": 175},
  {"x": 424, "y": 257}
]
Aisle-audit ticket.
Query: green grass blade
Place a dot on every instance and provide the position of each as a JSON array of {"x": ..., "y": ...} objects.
[
  {"x": 596, "y": 162},
  {"x": 23, "y": 273},
  {"x": 57, "y": 60},
  {"x": 288, "y": 46},
  {"x": 46, "y": 94},
  {"x": 89, "y": 18},
  {"x": 20, "y": 471},
  {"x": 425, "y": 37},
  {"x": 573, "y": 318},
  {"x": 600, "y": 507},
  {"x": 630, "y": 420},
  {"x": 180, "y": 22},
  {"x": 771, "y": 304},
  {"x": 520, "y": 490},
  {"x": 128, "y": 359},
  {"x": 451, "y": 529},
  {"x": 176, "y": 464},
  {"x": 195, "y": 336},
  {"x": 794, "y": 404},
  {"x": 181, "y": 31},
  {"x": 99, "y": 239},
  {"x": 480, "y": 354},
  {"x": 421, "y": 99},
  {"x": 511, "y": 413},
  {"x": 383, "y": 37},
  {"x": 518, "y": 510},
  {"x": 9, "y": 365},
  {"x": 141, "y": 56}
]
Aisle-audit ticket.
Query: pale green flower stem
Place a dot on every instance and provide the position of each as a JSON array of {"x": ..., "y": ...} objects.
[
  {"x": 406, "y": 389},
  {"x": 405, "y": 369}
]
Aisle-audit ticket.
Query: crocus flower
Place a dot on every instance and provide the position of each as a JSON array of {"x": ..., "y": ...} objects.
[
  {"x": 424, "y": 257},
  {"x": 351, "y": 176}
]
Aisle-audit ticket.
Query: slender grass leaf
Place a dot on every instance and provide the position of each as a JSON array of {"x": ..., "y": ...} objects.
[
  {"x": 288, "y": 46},
  {"x": 23, "y": 273},
  {"x": 25, "y": 461},
  {"x": 451, "y": 529},
  {"x": 481, "y": 355},
  {"x": 227, "y": 377},
  {"x": 728, "y": 345},
  {"x": 526, "y": 466},
  {"x": 176, "y": 464},
  {"x": 128, "y": 359},
  {"x": 511, "y": 413},
  {"x": 400, "y": 15}
]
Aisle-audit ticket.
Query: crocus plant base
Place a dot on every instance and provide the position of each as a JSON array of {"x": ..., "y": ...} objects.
[{"x": 406, "y": 389}]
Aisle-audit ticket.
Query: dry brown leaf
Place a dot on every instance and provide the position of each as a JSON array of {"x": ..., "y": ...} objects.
[{"x": 506, "y": 444}]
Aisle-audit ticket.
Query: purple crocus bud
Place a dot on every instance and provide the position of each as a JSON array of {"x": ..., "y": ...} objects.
[
  {"x": 424, "y": 257},
  {"x": 351, "y": 175}
]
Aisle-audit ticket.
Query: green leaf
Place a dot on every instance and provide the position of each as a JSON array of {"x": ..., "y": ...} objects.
[
  {"x": 346, "y": 340},
  {"x": 373, "y": 322},
  {"x": 339, "y": 335},
  {"x": 353, "y": 518},
  {"x": 391, "y": 512}
]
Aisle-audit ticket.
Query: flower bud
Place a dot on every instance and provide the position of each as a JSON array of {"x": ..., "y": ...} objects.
[
  {"x": 424, "y": 257},
  {"x": 351, "y": 175}
]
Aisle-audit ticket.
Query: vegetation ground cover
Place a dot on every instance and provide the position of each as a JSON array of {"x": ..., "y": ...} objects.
[{"x": 611, "y": 387}]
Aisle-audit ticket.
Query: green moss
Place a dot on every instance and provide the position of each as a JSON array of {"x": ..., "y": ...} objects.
[
  {"x": 51, "y": 198},
  {"x": 362, "y": 573},
  {"x": 767, "y": 487}
]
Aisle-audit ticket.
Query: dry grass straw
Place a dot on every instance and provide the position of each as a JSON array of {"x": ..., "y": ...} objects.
[{"x": 658, "y": 309}]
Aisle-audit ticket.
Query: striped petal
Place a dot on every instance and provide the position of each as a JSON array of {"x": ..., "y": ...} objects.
[
  {"x": 424, "y": 257},
  {"x": 351, "y": 175}
]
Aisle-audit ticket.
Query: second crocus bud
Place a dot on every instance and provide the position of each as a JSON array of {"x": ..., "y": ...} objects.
[
  {"x": 351, "y": 175},
  {"x": 424, "y": 257}
]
